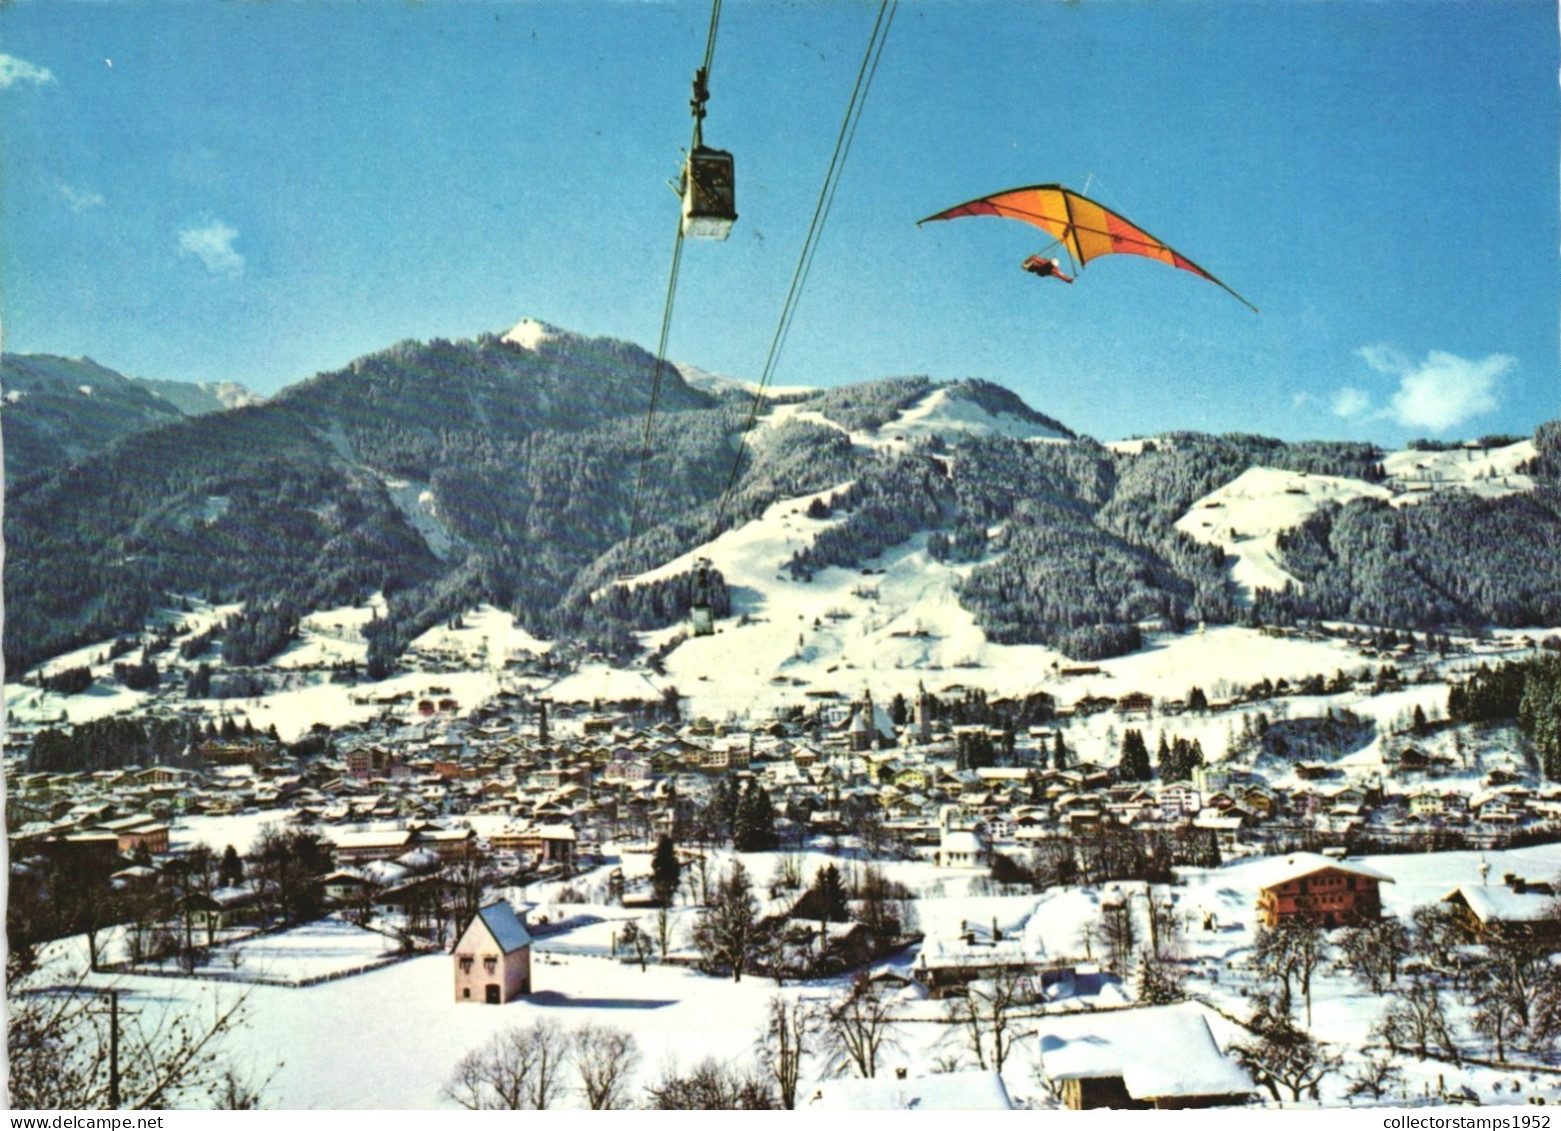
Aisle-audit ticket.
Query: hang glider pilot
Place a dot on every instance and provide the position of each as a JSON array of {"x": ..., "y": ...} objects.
[{"x": 1035, "y": 265}]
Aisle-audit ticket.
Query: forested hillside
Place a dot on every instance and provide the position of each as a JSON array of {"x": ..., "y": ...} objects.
[
  {"x": 445, "y": 474},
  {"x": 1451, "y": 559},
  {"x": 60, "y": 410}
]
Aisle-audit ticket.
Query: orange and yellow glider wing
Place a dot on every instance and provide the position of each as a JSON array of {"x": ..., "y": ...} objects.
[{"x": 1086, "y": 228}]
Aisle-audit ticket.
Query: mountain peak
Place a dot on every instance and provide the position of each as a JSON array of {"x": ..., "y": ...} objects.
[{"x": 529, "y": 333}]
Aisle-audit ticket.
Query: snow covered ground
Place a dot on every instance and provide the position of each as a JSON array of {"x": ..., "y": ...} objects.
[
  {"x": 407, "y": 1030},
  {"x": 1247, "y": 515},
  {"x": 326, "y": 948},
  {"x": 1490, "y": 472},
  {"x": 884, "y": 627}
]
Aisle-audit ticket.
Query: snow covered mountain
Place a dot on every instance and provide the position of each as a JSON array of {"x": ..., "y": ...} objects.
[
  {"x": 193, "y": 398},
  {"x": 942, "y": 520},
  {"x": 59, "y": 411}
]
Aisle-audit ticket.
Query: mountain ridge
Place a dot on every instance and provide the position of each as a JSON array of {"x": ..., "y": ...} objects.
[{"x": 504, "y": 469}]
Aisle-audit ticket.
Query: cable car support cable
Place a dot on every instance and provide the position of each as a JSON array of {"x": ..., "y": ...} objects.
[
  {"x": 701, "y": 92},
  {"x": 847, "y": 133}
]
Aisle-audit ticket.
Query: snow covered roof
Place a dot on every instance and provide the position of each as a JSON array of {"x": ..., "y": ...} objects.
[
  {"x": 962, "y": 840},
  {"x": 506, "y": 927},
  {"x": 385, "y": 873},
  {"x": 1503, "y": 904},
  {"x": 1282, "y": 869},
  {"x": 381, "y": 839},
  {"x": 1159, "y": 1052},
  {"x": 418, "y": 858},
  {"x": 955, "y": 952},
  {"x": 879, "y": 722},
  {"x": 595, "y": 682},
  {"x": 951, "y": 1091}
]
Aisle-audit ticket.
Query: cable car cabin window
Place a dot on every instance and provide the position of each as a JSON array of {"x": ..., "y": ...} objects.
[{"x": 709, "y": 195}]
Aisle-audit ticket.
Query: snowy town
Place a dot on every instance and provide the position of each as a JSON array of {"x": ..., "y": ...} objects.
[{"x": 923, "y": 911}]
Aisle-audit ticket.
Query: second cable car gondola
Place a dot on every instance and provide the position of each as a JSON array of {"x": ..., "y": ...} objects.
[
  {"x": 709, "y": 185},
  {"x": 701, "y": 613}
]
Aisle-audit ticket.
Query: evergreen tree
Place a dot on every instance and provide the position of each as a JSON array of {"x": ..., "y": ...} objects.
[
  {"x": 826, "y": 899},
  {"x": 230, "y": 872},
  {"x": 725, "y": 932},
  {"x": 664, "y": 871},
  {"x": 1134, "y": 764},
  {"x": 722, "y": 809},
  {"x": 1059, "y": 752},
  {"x": 1539, "y": 713},
  {"x": 198, "y": 685},
  {"x": 753, "y": 827}
]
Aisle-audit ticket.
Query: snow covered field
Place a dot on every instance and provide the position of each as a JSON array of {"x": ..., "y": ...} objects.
[
  {"x": 326, "y": 948},
  {"x": 389, "y": 1038}
]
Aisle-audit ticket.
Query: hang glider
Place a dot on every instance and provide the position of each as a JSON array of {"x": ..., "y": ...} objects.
[{"x": 1085, "y": 228}]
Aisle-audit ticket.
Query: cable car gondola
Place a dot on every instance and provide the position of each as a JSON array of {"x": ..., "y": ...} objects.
[
  {"x": 709, "y": 188},
  {"x": 701, "y": 615}
]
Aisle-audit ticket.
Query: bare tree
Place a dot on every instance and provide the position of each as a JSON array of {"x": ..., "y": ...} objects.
[
  {"x": 1293, "y": 949},
  {"x": 1165, "y": 926},
  {"x": 788, "y": 870},
  {"x": 859, "y": 1028},
  {"x": 790, "y": 1027},
  {"x": 517, "y": 1068},
  {"x": 238, "y": 1090},
  {"x": 466, "y": 877},
  {"x": 1279, "y": 1053},
  {"x": 1417, "y": 1020},
  {"x": 987, "y": 1013},
  {"x": 605, "y": 1058},
  {"x": 636, "y": 942},
  {"x": 491, "y": 1077},
  {"x": 360, "y": 906},
  {"x": 1545, "y": 1015},
  {"x": 1376, "y": 1077},
  {"x": 552, "y": 1051},
  {"x": 1374, "y": 950},
  {"x": 1116, "y": 933},
  {"x": 663, "y": 931},
  {"x": 62, "y": 1053},
  {"x": 885, "y": 907},
  {"x": 1506, "y": 986},
  {"x": 698, "y": 879},
  {"x": 1435, "y": 933},
  {"x": 711, "y": 1086},
  {"x": 1513, "y": 968},
  {"x": 1496, "y": 1016}
]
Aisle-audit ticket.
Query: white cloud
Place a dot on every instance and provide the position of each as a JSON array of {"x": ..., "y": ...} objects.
[
  {"x": 14, "y": 70},
  {"x": 1441, "y": 392},
  {"x": 1446, "y": 390},
  {"x": 1351, "y": 402},
  {"x": 1384, "y": 359},
  {"x": 81, "y": 200},
  {"x": 212, "y": 244}
]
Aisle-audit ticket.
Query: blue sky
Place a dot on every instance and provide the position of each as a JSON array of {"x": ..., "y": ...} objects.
[{"x": 261, "y": 191}]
